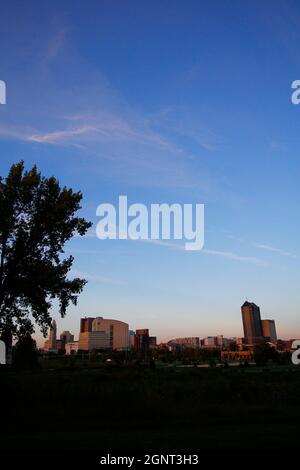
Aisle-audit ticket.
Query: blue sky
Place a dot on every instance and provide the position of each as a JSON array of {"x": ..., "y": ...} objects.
[{"x": 166, "y": 101}]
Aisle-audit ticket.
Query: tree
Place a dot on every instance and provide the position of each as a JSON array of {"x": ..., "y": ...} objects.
[
  {"x": 37, "y": 218},
  {"x": 265, "y": 352},
  {"x": 25, "y": 354}
]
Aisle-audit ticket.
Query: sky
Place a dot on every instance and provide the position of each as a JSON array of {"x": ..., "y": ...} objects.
[{"x": 166, "y": 101}]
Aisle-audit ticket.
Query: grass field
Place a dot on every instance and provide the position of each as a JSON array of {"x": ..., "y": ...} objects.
[{"x": 153, "y": 409}]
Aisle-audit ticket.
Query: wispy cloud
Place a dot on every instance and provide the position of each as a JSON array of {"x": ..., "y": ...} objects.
[
  {"x": 275, "y": 250},
  {"x": 95, "y": 278},
  {"x": 56, "y": 137},
  {"x": 223, "y": 254},
  {"x": 264, "y": 246},
  {"x": 131, "y": 147},
  {"x": 180, "y": 247},
  {"x": 91, "y": 233},
  {"x": 104, "y": 127},
  {"x": 236, "y": 257},
  {"x": 84, "y": 112},
  {"x": 178, "y": 123}
]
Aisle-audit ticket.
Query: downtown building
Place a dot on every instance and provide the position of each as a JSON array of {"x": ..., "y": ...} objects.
[
  {"x": 252, "y": 323},
  {"x": 140, "y": 340},
  {"x": 71, "y": 348},
  {"x": 213, "y": 342},
  {"x": 100, "y": 333},
  {"x": 256, "y": 330},
  {"x": 52, "y": 344},
  {"x": 186, "y": 342},
  {"x": 269, "y": 330}
]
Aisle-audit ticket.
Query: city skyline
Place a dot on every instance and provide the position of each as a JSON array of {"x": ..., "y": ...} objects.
[
  {"x": 255, "y": 331},
  {"x": 188, "y": 104}
]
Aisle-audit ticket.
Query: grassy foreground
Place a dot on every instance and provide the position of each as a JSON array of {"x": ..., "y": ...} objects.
[{"x": 153, "y": 409}]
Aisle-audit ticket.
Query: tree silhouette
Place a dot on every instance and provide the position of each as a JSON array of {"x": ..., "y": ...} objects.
[
  {"x": 264, "y": 353},
  {"x": 37, "y": 217},
  {"x": 25, "y": 354}
]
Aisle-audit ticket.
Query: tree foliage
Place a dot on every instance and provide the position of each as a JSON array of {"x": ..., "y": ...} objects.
[
  {"x": 25, "y": 353},
  {"x": 265, "y": 352},
  {"x": 37, "y": 218}
]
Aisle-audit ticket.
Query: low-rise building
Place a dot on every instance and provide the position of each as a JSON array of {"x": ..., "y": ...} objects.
[
  {"x": 236, "y": 355},
  {"x": 186, "y": 342}
]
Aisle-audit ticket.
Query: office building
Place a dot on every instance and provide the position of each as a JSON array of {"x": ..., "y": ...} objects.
[
  {"x": 187, "y": 342},
  {"x": 142, "y": 340},
  {"x": 86, "y": 324},
  {"x": 269, "y": 330},
  {"x": 71, "y": 348},
  {"x": 131, "y": 339},
  {"x": 51, "y": 343},
  {"x": 252, "y": 323},
  {"x": 100, "y": 333},
  {"x": 210, "y": 342},
  {"x": 66, "y": 337},
  {"x": 152, "y": 342}
]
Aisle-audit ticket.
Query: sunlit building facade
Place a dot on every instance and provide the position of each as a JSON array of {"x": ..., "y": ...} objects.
[
  {"x": 51, "y": 343},
  {"x": 252, "y": 323},
  {"x": 100, "y": 333},
  {"x": 269, "y": 330}
]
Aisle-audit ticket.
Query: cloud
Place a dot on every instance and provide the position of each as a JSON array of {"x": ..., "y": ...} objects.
[
  {"x": 177, "y": 122},
  {"x": 263, "y": 246},
  {"x": 275, "y": 250},
  {"x": 236, "y": 257},
  {"x": 223, "y": 254},
  {"x": 72, "y": 104},
  {"x": 56, "y": 137},
  {"x": 91, "y": 233},
  {"x": 180, "y": 247},
  {"x": 128, "y": 144},
  {"x": 104, "y": 127},
  {"x": 95, "y": 278}
]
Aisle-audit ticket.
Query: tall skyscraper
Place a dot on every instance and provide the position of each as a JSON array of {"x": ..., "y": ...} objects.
[
  {"x": 252, "y": 323},
  {"x": 51, "y": 344},
  {"x": 269, "y": 330},
  {"x": 52, "y": 335}
]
